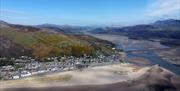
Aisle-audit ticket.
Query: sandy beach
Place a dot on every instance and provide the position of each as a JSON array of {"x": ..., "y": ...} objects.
[
  {"x": 118, "y": 77},
  {"x": 90, "y": 76}
]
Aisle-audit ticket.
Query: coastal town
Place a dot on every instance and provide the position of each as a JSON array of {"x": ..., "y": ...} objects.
[{"x": 25, "y": 66}]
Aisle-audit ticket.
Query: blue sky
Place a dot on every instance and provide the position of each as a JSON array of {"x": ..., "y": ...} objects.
[{"x": 88, "y": 12}]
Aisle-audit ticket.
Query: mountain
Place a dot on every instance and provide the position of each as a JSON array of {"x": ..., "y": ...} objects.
[
  {"x": 8, "y": 48},
  {"x": 21, "y": 40},
  {"x": 65, "y": 28},
  {"x": 168, "y": 31},
  {"x": 18, "y": 27},
  {"x": 3, "y": 24},
  {"x": 55, "y": 28},
  {"x": 170, "y": 22}
]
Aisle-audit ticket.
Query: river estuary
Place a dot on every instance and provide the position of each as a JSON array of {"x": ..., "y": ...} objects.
[{"x": 132, "y": 45}]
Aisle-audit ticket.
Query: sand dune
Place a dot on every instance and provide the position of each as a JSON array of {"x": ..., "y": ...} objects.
[
  {"x": 95, "y": 75},
  {"x": 121, "y": 77}
]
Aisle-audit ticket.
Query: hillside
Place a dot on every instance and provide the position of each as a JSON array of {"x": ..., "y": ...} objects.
[
  {"x": 167, "y": 31},
  {"x": 69, "y": 29},
  {"x": 19, "y": 40}
]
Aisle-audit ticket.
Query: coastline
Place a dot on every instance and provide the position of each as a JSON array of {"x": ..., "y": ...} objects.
[
  {"x": 137, "y": 78},
  {"x": 90, "y": 76},
  {"x": 94, "y": 77}
]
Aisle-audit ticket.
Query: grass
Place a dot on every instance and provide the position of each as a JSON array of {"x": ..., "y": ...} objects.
[
  {"x": 44, "y": 44},
  {"x": 41, "y": 44}
]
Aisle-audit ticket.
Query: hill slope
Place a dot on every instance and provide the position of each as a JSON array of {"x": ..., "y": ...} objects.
[
  {"x": 18, "y": 40},
  {"x": 168, "y": 31}
]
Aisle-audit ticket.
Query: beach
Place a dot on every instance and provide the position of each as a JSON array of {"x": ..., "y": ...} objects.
[
  {"x": 117, "y": 77},
  {"x": 90, "y": 76}
]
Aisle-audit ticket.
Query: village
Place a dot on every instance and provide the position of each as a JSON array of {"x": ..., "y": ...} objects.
[{"x": 25, "y": 66}]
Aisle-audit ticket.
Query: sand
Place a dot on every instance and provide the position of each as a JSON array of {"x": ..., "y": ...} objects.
[
  {"x": 90, "y": 76},
  {"x": 120, "y": 77},
  {"x": 140, "y": 61},
  {"x": 153, "y": 78}
]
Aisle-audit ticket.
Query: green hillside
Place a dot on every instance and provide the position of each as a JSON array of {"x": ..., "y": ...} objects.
[{"x": 44, "y": 44}]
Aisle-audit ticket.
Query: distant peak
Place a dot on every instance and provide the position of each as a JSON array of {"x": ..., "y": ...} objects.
[
  {"x": 3, "y": 22},
  {"x": 167, "y": 22}
]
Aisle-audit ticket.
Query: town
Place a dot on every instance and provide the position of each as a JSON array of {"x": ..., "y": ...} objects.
[{"x": 25, "y": 66}]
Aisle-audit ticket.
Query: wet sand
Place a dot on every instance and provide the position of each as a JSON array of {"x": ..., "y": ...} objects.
[
  {"x": 170, "y": 55},
  {"x": 139, "y": 61}
]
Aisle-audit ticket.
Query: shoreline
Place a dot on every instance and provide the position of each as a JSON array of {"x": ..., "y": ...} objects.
[
  {"x": 142, "y": 78},
  {"x": 90, "y": 76}
]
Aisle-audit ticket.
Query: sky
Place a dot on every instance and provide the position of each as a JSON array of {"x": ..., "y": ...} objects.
[{"x": 88, "y": 12}]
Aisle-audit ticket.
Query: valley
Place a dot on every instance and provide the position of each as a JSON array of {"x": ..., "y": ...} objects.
[
  {"x": 48, "y": 57},
  {"x": 144, "y": 49},
  {"x": 89, "y": 45}
]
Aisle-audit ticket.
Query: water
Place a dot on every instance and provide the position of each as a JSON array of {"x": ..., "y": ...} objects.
[
  {"x": 155, "y": 59},
  {"x": 127, "y": 44},
  {"x": 152, "y": 57}
]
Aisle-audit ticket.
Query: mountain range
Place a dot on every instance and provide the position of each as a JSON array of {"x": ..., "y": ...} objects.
[
  {"x": 47, "y": 40},
  {"x": 68, "y": 28},
  {"x": 166, "y": 31}
]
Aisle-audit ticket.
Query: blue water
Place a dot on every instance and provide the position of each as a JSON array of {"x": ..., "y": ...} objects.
[
  {"x": 149, "y": 55},
  {"x": 155, "y": 59},
  {"x": 152, "y": 57}
]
